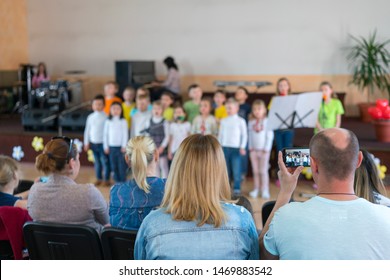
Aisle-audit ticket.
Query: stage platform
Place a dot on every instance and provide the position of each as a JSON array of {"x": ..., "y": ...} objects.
[{"x": 12, "y": 134}]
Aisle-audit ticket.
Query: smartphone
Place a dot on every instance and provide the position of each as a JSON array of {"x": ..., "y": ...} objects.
[{"x": 293, "y": 157}]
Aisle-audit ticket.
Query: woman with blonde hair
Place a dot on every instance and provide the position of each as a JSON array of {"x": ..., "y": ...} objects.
[
  {"x": 368, "y": 184},
  {"x": 61, "y": 199},
  {"x": 197, "y": 219},
  {"x": 132, "y": 201},
  {"x": 9, "y": 181}
]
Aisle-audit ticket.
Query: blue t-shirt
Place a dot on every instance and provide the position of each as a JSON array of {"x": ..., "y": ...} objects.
[
  {"x": 8, "y": 199},
  {"x": 129, "y": 204}
]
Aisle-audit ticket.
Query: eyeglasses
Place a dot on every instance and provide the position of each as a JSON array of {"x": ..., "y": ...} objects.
[{"x": 69, "y": 141}]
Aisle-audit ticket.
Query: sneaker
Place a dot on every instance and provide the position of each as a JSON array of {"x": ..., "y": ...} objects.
[
  {"x": 254, "y": 193},
  {"x": 265, "y": 194}
]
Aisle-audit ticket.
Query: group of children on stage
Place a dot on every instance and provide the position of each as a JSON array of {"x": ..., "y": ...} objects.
[{"x": 241, "y": 129}]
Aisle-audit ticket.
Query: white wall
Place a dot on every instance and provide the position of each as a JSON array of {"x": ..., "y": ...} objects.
[{"x": 214, "y": 37}]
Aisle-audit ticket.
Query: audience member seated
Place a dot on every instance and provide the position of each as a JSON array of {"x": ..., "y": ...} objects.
[
  {"x": 9, "y": 181},
  {"x": 197, "y": 219},
  {"x": 368, "y": 184},
  {"x": 132, "y": 201},
  {"x": 61, "y": 199},
  {"x": 336, "y": 224}
]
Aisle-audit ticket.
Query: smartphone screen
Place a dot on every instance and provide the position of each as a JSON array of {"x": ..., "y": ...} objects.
[{"x": 293, "y": 157}]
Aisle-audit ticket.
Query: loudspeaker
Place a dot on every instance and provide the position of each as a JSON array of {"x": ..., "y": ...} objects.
[
  {"x": 74, "y": 121},
  {"x": 32, "y": 119}
]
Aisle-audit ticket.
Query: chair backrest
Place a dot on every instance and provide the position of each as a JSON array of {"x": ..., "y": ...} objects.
[
  {"x": 118, "y": 244},
  {"x": 11, "y": 232},
  {"x": 52, "y": 241},
  {"x": 266, "y": 210}
]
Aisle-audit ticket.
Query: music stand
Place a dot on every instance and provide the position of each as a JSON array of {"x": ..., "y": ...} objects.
[{"x": 294, "y": 111}]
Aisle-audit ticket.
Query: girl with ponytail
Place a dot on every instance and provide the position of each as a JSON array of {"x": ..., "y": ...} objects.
[{"x": 131, "y": 201}]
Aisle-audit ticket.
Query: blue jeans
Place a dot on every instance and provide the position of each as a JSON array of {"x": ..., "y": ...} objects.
[
  {"x": 233, "y": 164},
  {"x": 284, "y": 139},
  {"x": 101, "y": 162},
  {"x": 118, "y": 164}
]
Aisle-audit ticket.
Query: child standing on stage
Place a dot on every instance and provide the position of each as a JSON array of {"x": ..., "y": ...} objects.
[
  {"x": 233, "y": 137},
  {"x": 128, "y": 104},
  {"x": 140, "y": 120},
  {"x": 179, "y": 129},
  {"x": 191, "y": 107},
  {"x": 331, "y": 109},
  {"x": 115, "y": 137},
  {"x": 220, "y": 109},
  {"x": 167, "y": 100},
  {"x": 93, "y": 139},
  {"x": 241, "y": 95},
  {"x": 159, "y": 131},
  {"x": 110, "y": 90},
  {"x": 260, "y": 145},
  {"x": 205, "y": 123}
]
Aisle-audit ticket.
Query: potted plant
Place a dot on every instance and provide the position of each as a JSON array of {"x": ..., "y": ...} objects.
[
  {"x": 381, "y": 119},
  {"x": 369, "y": 60}
]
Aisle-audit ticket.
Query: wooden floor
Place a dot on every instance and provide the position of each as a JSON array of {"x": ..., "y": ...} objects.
[{"x": 86, "y": 175}]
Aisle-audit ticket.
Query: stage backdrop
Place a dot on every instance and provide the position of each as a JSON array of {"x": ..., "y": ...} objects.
[{"x": 214, "y": 37}]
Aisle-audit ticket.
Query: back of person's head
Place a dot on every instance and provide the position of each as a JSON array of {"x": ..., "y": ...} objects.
[
  {"x": 367, "y": 180},
  {"x": 8, "y": 169},
  {"x": 170, "y": 62},
  {"x": 140, "y": 152},
  {"x": 198, "y": 182},
  {"x": 244, "y": 202},
  {"x": 336, "y": 151},
  {"x": 56, "y": 154}
]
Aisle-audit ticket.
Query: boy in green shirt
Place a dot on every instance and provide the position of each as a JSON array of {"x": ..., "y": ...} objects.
[{"x": 191, "y": 107}]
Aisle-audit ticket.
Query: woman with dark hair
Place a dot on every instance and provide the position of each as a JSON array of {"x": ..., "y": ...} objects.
[
  {"x": 40, "y": 76},
  {"x": 61, "y": 199},
  {"x": 171, "y": 83}
]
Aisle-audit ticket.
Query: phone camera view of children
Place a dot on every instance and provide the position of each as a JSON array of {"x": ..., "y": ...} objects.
[{"x": 296, "y": 157}]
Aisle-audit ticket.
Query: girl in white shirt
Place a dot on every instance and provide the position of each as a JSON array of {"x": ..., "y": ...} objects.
[
  {"x": 178, "y": 130},
  {"x": 115, "y": 137},
  {"x": 260, "y": 145}
]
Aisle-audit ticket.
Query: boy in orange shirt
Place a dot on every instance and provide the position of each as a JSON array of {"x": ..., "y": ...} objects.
[{"x": 110, "y": 89}]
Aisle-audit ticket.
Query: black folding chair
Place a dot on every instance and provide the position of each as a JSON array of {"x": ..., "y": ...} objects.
[
  {"x": 118, "y": 244},
  {"x": 52, "y": 241}
]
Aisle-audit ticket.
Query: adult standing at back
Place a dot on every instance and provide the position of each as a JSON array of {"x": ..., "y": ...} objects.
[
  {"x": 336, "y": 224},
  {"x": 61, "y": 199},
  {"x": 197, "y": 219},
  {"x": 132, "y": 201}
]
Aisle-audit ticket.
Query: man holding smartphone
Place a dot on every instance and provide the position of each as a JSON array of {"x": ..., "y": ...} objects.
[{"x": 335, "y": 224}]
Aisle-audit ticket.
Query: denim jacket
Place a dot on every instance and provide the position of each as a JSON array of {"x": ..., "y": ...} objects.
[
  {"x": 129, "y": 204},
  {"x": 160, "y": 237}
]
